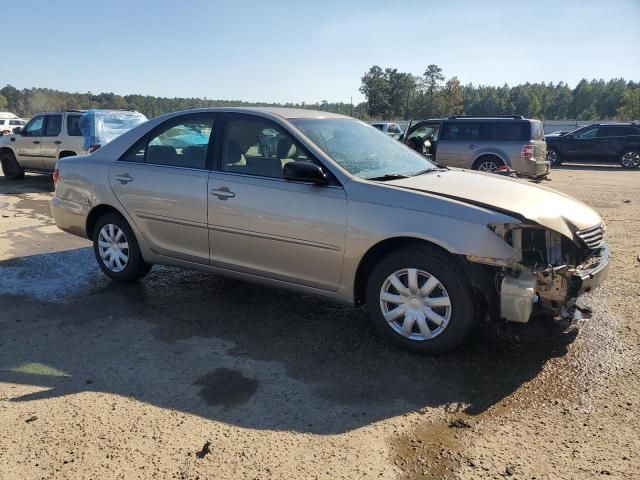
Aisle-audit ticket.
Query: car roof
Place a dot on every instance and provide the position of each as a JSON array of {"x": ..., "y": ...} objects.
[
  {"x": 613, "y": 124},
  {"x": 287, "y": 113}
]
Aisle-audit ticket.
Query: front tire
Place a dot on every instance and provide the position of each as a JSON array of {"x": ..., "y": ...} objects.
[
  {"x": 630, "y": 159},
  {"x": 117, "y": 251},
  {"x": 420, "y": 299},
  {"x": 10, "y": 167}
]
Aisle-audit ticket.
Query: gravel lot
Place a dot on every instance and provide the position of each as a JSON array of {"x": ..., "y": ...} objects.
[{"x": 104, "y": 381}]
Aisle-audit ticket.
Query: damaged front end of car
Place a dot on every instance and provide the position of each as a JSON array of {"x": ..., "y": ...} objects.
[{"x": 549, "y": 270}]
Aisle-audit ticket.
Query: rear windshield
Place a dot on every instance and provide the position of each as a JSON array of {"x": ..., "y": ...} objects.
[{"x": 504, "y": 130}]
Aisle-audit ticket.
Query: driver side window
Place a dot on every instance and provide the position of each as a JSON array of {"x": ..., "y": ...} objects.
[
  {"x": 254, "y": 146},
  {"x": 35, "y": 128},
  {"x": 590, "y": 133}
]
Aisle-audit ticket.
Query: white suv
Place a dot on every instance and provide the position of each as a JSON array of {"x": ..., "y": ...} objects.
[
  {"x": 38, "y": 146},
  {"x": 7, "y": 124}
]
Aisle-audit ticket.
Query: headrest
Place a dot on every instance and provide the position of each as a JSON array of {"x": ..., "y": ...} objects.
[{"x": 286, "y": 148}]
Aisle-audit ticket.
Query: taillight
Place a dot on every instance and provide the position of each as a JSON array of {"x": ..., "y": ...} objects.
[
  {"x": 56, "y": 175},
  {"x": 527, "y": 151}
]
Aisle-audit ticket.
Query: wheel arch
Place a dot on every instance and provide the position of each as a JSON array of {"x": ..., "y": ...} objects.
[
  {"x": 376, "y": 253},
  {"x": 97, "y": 212},
  {"x": 500, "y": 156},
  {"x": 4, "y": 150},
  {"x": 67, "y": 153}
]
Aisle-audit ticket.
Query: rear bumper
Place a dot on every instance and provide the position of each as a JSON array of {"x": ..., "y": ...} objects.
[
  {"x": 70, "y": 216},
  {"x": 532, "y": 167}
]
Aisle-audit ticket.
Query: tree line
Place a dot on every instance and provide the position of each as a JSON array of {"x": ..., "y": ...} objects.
[
  {"x": 30, "y": 101},
  {"x": 392, "y": 94}
]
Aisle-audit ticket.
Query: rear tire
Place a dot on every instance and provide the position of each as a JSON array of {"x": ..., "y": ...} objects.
[
  {"x": 117, "y": 251},
  {"x": 10, "y": 167},
  {"x": 436, "y": 309},
  {"x": 553, "y": 157},
  {"x": 487, "y": 163},
  {"x": 630, "y": 159}
]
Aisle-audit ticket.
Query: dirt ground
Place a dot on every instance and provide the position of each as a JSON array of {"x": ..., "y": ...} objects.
[{"x": 104, "y": 381}]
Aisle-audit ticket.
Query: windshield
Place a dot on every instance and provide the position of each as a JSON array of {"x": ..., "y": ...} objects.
[{"x": 363, "y": 150}]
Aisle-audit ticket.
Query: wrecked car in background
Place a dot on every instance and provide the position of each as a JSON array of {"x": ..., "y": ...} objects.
[{"x": 324, "y": 204}]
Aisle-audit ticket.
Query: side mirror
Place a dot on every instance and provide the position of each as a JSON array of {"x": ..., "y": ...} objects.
[
  {"x": 301, "y": 171},
  {"x": 17, "y": 130}
]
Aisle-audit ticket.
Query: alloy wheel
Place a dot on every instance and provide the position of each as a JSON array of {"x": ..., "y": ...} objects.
[
  {"x": 552, "y": 157},
  {"x": 631, "y": 159},
  {"x": 415, "y": 304},
  {"x": 113, "y": 247},
  {"x": 488, "y": 166}
]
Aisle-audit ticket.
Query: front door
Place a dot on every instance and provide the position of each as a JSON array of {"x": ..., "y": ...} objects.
[
  {"x": 162, "y": 184},
  {"x": 423, "y": 138},
  {"x": 29, "y": 144},
  {"x": 51, "y": 141},
  {"x": 265, "y": 225},
  {"x": 582, "y": 145}
]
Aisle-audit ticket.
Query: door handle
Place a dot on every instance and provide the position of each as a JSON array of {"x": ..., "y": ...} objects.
[
  {"x": 57, "y": 142},
  {"x": 472, "y": 146},
  {"x": 36, "y": 142},
  {"x": 223, "y": 193},
  {"x": 124, "y": 178}
]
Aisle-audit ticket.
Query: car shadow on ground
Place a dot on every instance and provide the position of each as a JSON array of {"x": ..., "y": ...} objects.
[
  {"x": 235, "y": 352},
  {"x": 31, "y": 183},
  {"x": 600, "y": 167}
]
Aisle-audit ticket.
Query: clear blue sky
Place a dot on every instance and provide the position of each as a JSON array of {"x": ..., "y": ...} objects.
[{"x": 272, "y": 50}]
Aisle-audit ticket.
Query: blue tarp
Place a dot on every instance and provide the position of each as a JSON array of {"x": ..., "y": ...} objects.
[{"x": 101, "y": 126}]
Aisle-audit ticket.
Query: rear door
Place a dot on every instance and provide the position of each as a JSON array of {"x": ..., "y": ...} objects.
[
  {"x": 28, "y": 144},
  {"x": 162, "y": 184},
  {"x": 73, "y": 139},
  {"x": 51, "y": 140},
  {"x": 613, "y": 140}
]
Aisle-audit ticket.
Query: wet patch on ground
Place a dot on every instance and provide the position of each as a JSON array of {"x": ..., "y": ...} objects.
[
  {"x": 226, "y": 387},
  {"x": 53, "y": 277}
]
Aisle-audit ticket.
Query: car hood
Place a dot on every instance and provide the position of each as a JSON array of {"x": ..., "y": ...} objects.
[{"x": 517, "y": 198}]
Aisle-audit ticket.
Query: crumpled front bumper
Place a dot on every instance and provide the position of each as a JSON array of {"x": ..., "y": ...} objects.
[
  {"x": 556, "y": 288},
  {"x": 591, "y": 275}
]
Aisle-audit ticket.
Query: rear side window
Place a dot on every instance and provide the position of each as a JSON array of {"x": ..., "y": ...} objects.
[
  {"x": 621, "y": 131},
  {"x": 180, "y": 142},
  {"x": 506, "y": 131},
  {"x": 461, "y": 131},
  {"x": 54, "y": 125},
  {"x": 377, "y": 125},
  {"x": 73, "y": 126}
]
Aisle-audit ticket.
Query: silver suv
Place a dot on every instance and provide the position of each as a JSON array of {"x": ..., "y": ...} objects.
[
  {"x": 482, "y": 143},
  {"x": 38, "y": 146}
]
